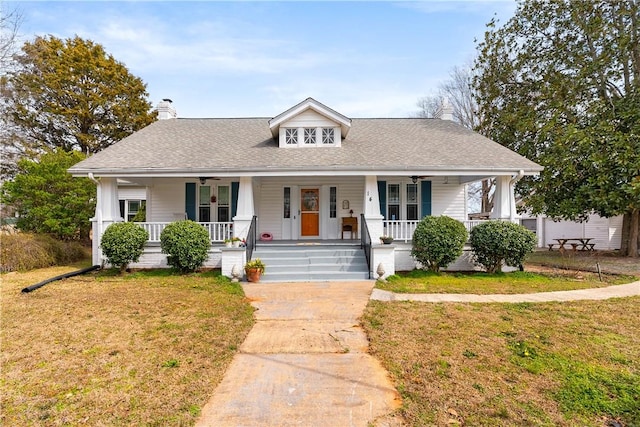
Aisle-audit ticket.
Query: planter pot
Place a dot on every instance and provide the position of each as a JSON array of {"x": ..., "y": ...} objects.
[
  {"x": 227, "y": 244},
  {"x": 253, "y": 274},
  {"x": 386, "y": 241},
  {"x": 236, "y": 244}
]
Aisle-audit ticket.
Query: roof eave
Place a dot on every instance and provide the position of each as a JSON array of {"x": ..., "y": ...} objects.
[{"x": 298, "y": 171}]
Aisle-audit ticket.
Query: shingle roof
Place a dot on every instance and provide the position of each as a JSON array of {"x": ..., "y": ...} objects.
[{"x": 246, "y": 144}]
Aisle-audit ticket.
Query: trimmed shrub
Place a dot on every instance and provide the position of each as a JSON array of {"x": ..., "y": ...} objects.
[
  {"x": 498, "y": 242},
  {"x": 26, "y": 251},
  {"x": 438, "y": 241},
  {"x": 186, "y": 244},
  {"x": 123, "y": 243}
]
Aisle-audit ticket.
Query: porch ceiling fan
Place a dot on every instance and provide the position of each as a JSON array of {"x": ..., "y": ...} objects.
[
  {"x": 415, "y": 178},
  {"x": 203, "y": 179}
]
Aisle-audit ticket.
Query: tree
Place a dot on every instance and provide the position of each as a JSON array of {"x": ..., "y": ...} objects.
[
  {"x": 558, "y": 83},
  {"x": 10, "y": 21},
  {"x": 459, "y": 91},
  {"x": 71, "y": 94},
  {"x": 48, "y": 199}
]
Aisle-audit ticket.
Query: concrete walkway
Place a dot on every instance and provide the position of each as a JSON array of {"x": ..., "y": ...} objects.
[
  {"x": 304, "y": 363},
  {"x": 617, "y": 291}
]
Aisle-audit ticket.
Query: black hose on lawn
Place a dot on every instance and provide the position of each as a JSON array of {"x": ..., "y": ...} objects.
[{"x": 60, "y": 277}]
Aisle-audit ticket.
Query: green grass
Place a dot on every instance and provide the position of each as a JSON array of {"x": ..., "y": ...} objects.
[
  {"x": 542, "y": 364},
  {"x": 419, "y": 281},
  {"x": 145, "y": 348}
]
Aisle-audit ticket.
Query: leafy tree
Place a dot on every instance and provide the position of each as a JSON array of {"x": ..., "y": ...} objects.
[
  {"x": 558, "y": 83},
  {"x": 438, "y": 241},
  {"x": 48, "y": 199},
  {"x": 459, "y": 91},
  {"x": 71, "y": 94},
  {"x": 123, "y": 243},
  {"x": 498, "y": 242}
]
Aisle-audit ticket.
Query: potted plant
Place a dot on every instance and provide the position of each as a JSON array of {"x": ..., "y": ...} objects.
[
  {"x": 227, "y": 242},
  {"x": 236, "y": 242},
  {"x": 386, "y": 239},
  {"x": 254, "y": 269}
]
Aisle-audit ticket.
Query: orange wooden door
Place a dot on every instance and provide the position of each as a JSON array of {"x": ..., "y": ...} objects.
[{"x": 309, "y": 212}]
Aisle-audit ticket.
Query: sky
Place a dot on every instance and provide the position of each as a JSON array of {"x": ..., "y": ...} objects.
[{"x": 257, "y": 59}]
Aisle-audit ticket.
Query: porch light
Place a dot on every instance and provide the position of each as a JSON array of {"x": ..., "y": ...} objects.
[
  {"x": 203, "y": 180},
  {"x": 414, "y": 179}
]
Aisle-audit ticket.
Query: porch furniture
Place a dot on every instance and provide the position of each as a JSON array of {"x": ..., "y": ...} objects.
[
  {"x": 349, "y": 224},
  {"x": 582, "y": 244}
]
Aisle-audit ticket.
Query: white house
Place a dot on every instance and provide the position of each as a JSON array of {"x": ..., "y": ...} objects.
[{"x": 308, "y": 176}]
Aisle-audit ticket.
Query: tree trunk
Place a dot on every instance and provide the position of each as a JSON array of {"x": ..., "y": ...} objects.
[
  {"x": 487, "y": 203},
  {"x": 624, "y": 238},
  {"x": 630, "y": 243},
  {"x": 634, "y": 233}
]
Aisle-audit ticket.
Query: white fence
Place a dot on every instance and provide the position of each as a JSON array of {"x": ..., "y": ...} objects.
[
  {"x": 218, "y": 231},
  {"x": 403, "y": 229}
]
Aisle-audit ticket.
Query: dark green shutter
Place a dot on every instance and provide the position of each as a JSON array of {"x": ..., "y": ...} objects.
[
  {"x": 425, "y": 194},
  {"x": 382, "y": 195},
  {"x": 190, "y": 200},
  {"x": 234, "y": 198}
]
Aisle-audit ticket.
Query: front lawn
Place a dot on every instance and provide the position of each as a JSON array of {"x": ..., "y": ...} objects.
[
  {"x": 543, "y": 364},
  {"x": 147, "y": 348},
  {"x": 517, "y": 282}
]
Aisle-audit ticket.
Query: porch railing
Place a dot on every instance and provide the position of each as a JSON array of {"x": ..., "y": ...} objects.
[
  {"x": 218, "y": 231},
  {"x": 404, "y": 229},
  {"x": 365, "y": 241}
]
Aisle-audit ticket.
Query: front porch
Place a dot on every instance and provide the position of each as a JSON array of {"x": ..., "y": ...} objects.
[
  {"x": 310, "y": 212},
  {"x": 304, "y": 260}
]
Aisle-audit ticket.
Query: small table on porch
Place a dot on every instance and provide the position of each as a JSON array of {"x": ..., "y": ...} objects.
[{"x": 349, "y": 223}]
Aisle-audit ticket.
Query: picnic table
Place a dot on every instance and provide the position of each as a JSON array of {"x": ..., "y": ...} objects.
[{"x": 579, "y": 242}]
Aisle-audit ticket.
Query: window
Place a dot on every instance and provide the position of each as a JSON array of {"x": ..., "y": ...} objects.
[
  {"x": 309, "y": 135},
  {"x": 393, "y": 202},
  {"x": 287, "y": 203},
  {"x": 412, "y": 202},
  {"x": 204, "y": 211},
  {"x": 130, "y": 208},
  {"x": 333, "y": 201},
  {"x": 291, "y": 136},
  {"x": 327, "y": 136},
  {"x": 223, "y": 203}
]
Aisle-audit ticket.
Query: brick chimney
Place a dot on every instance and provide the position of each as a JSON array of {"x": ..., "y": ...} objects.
[{"x": 165, "y": 110}]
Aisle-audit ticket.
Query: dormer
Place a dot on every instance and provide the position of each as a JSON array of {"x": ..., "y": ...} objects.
[{"x": 309, "y": 124}]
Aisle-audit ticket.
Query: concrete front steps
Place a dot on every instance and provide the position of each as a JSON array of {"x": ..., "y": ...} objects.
[{"x": 303, "y": 262}]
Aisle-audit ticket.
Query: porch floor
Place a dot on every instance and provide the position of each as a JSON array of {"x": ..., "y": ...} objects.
[{"x": 330, "y": 242}]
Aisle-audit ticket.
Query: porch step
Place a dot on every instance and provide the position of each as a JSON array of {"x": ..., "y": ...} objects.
[{"x": 291, "y": 263}]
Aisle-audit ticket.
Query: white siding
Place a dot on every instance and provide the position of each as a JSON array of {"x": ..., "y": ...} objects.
[
  {"x": 270, "y": 202},
  {"x": 167, "y": 201},
  {"x": 448, "y": 199},
  {"x": 309, "y": 118},
  {"x": 132, "y": 193}
]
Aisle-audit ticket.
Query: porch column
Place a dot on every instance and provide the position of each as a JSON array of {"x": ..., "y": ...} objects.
[
  {"x": 504, "y": 200},
  {"x": 372, "y": 208},
  {"x": 245, "y": 210},
  {"x": 107, "y": 212}
]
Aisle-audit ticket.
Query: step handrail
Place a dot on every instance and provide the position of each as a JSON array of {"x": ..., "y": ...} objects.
[{"x": 365, "y": 242}]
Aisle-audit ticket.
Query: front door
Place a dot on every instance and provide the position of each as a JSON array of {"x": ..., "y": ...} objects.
[{"x": 310, "y": 212}]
